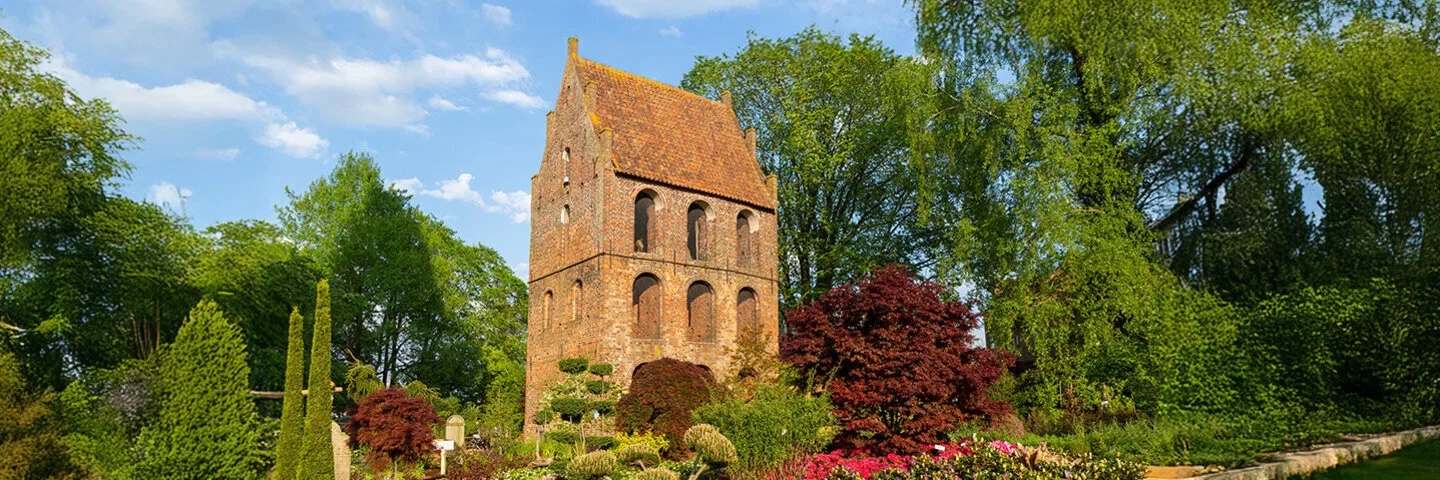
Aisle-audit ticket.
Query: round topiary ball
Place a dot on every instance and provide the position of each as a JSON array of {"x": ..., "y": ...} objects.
[{"x": 602, "y": 369}]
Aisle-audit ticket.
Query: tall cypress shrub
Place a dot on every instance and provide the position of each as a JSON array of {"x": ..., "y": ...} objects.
[
  {"x": 206, "y": 427},
  {"x": 318, "y": 462},
  {"x": 289, "y": 447}
]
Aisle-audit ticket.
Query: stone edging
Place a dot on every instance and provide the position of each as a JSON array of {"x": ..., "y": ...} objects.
[{"x": 1326, "y": 456}]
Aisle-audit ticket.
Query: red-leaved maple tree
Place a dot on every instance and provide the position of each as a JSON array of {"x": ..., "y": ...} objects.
[
  {"x": 904, "y": 362},
  {"x": 394, "y": 425}
]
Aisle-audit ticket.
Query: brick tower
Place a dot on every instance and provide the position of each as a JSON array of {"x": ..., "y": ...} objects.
[{"x": 652, "y": 228}]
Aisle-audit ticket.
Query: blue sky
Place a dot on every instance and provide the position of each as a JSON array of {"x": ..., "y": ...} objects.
[{"x": 238, "y": 99}]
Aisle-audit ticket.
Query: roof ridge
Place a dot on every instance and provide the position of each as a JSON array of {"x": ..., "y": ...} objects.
[{"x": 651, "y": 80}]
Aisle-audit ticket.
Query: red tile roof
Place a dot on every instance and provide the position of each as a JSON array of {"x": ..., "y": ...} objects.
[{"x": 668, "y": 135}]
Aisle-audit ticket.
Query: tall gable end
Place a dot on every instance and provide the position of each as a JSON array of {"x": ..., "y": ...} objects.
[{"x": 663, "y": 134}]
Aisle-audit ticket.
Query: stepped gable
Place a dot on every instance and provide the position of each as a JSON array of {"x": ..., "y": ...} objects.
[{"x": 667, "y": 135}]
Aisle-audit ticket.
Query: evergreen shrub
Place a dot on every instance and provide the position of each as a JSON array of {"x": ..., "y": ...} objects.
[
  {"x": 574, "y": 366},
  {"x": 776, "y": 424},
  {"x": 591, "y": 465}
]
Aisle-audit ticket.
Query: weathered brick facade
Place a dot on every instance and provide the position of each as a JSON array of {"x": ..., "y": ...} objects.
[{"x": 612, "y": 138}]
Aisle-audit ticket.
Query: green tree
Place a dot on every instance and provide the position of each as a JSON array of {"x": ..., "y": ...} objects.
[
  {"x": 30, "y": 445},
  {"x": 290, "y": 446},
  {"x": 254, "y": 273},
  {"x": 410, "y": 299},
  {"x": 59, "y": 153},
  {"x": 317, "y": 460},
  {"x": 207, "y": 424},
  {"x": 830, "y": 119}
]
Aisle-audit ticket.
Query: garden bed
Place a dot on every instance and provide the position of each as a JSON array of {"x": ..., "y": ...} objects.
[{"x": 1295, "y": 463}]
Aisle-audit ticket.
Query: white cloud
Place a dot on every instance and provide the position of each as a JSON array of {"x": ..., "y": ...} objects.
[
  {"x": 497, "y": 14},
  {"x": 438, "y": 102},
  {"x": 293, "y": 141},
  {"x": 389, "y": 17},
  {"x": 221, "y": 154},
  {"x": 411, "y": 185},
  {"x": 168, "y": 195},
  {"x": 364, "y": 92},
  {"x": 670, "y": 31},
  {"x": 189, "y": 100},
  {"x": 516, "y": 98},
  {"x": 672, "y": 8},
  {"x": 515, "y": 204},
  {"x": 150, "y": 32}
]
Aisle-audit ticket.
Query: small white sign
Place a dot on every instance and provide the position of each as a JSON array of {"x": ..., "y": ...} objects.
[{"x": 444, "y": 444}]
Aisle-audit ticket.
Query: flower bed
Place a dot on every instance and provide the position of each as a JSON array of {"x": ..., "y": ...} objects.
[{"x": 971, "y": 460}]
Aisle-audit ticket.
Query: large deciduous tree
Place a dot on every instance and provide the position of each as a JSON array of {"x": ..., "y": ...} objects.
[
  {"x": 410, "y": 298},
  {"x": 830, "y": 116},
  {"x": 900, "y": 360}
]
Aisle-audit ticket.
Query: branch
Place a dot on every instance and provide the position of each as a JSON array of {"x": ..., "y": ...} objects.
[{"x": 1185, "y": 208}]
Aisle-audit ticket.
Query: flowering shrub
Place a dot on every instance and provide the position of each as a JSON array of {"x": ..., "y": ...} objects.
[{"x": 993, "y": 459}]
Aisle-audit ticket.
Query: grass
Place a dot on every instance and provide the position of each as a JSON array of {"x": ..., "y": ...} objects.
[{"x": 1414, "y": 462}]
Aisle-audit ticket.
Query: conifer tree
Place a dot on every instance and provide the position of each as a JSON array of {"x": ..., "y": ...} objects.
[
  {"x": 206, "y": 425},
  {"x": 318, "y": 463},
  {"x": 292, "y": 414}
]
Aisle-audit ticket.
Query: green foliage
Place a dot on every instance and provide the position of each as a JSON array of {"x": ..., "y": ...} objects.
[
  {"x": 59, "y": 153},
  {"x": 361, "y": 381},
  {"x": 851, "y": 193},
  {"x": 290, "y": 446},
  {"x": 650, "y": 440},
  {"x": 504, "y": 407},
  {"x": 574, "y": 366},
  {"x": 544, "y": 417},
  {"x": 206, "y": 426},
  {"x": 657, "y": 474},
  {"x": 407, "y": 291},
  {"x": 601, "y": 443},
  {"x": 602, "y": 369},
  {"x": 711, "y": 447},
  {"x": 774, "y": 425},
  {"x": 597, "y": 387},
  {"x": 316, "y": 460},
  {"x": 569, "y": 406},
  {"x": 591, "y": 465},
  {"x": 30, "y": 443},
  {"x": 639, "y": 455}
]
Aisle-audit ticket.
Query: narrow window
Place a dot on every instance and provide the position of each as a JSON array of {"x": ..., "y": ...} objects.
[
  {"x": 746, "y": 315},
  {"x": 545, "y": 309},
  {"x": 646, "y": 301},
  {"x": 644, "y": 218},
  {"x": 743, "y": 239},
  {"x": 696, "y": 221},
  {"x": 565, "y": 215},
  {"x": 577, "y": 301},
  {"x": 700, "y": 307},
  {"x": 565, "y": 159}
]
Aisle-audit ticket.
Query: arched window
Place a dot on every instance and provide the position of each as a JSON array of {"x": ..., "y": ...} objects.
[
  {"x": 743, "y": 235},
  {"x": 747, "y": 316},
  {"x": 545, "y": 308},
  {"x": 700, "y": 309},
  {"x": 645, "y": 299},
  {"x": 565, "y": 160},
  {"x": 565, "y": 215},
  {"x": 696, "y": 222},
  {"x": 577, "y": 301},
  {"x": 644, "y": 222}
]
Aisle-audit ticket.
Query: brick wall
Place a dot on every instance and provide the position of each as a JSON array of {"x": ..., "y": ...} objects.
[{"x": 596, "y": 248}]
